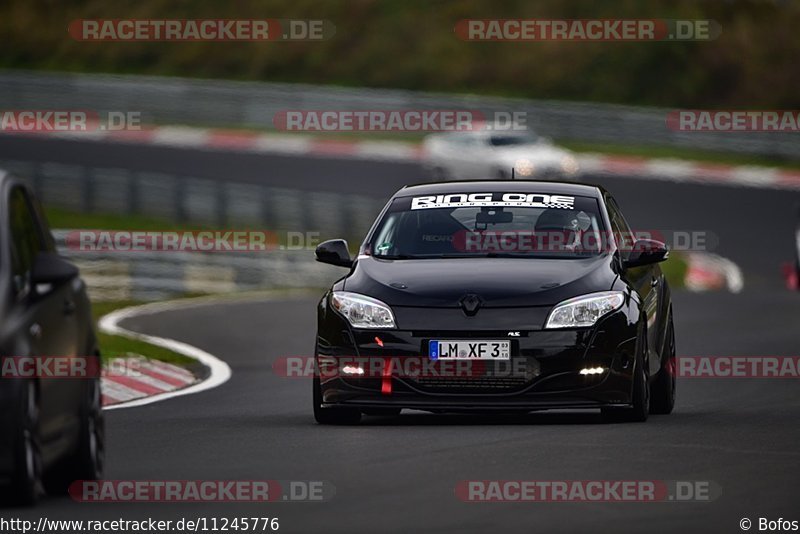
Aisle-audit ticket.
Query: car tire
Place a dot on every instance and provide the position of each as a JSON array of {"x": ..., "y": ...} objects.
[
  {"x": 332, "y": 416},
  {"x": 26, "y": 480},
  {"x": 663, "y": 387},
  {"x": 639, "y": 409},
  {"x": 87, "y": 462}
]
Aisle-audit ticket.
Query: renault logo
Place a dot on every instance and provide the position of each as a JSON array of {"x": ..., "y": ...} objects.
[{"x": 470, "y": 303}]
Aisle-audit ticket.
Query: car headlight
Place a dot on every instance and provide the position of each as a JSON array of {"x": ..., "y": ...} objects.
[
  {"x": 569, "y": 165},
  {"x": 523, "y": 167},
  {"x": 362, "y": 311},
  {"x": 584, "y": 310}
]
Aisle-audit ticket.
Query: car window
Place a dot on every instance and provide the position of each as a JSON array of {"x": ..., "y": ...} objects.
[
  {"x": 538, "y": 226},
  {"x": 26, "y": 240},
  {"x": 619, "y": 226},
  {"x": 512, "y": 140},
  {"x": 48, "y": 242}
]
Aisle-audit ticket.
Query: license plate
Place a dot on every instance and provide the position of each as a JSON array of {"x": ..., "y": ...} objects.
[{"x": 469, "y": 350}]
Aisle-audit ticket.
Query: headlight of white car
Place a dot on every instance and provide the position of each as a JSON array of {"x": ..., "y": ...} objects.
[
  {"x": 569, "y": 164},
  {"x": 584, "y": 310},
  {"x": 362, "y": 311},
  {"x": 523, "y": 167}
]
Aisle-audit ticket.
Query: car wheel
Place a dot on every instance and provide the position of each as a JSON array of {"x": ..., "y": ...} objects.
[
  {"x": 663, "y": 388},
  {"x": 87, "y": 462},
  {"x": 90, "y": 457},
  {"x": 640, "y": 405},
  {"x": 332, "y": 416},
  {"x": 26, "y": 482}
]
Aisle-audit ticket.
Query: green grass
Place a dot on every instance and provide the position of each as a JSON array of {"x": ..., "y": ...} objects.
[
  {"x": 674, "y": 270},
  {"x": 61, "y": 218},
  {"x": 412, "y": 45},
  {"x": 117, "y": 346}
]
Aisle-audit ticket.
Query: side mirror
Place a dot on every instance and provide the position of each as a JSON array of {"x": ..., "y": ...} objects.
[
  {"x": 646, "y": 252},
  {"x": 50, "y": 268},
  {"x": 334, "y": 252}
]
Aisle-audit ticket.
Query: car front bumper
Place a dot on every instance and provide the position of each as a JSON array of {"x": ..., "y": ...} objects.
[{"x": 544, "y": 370}]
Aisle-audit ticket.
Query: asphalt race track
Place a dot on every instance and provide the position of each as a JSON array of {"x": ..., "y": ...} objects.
[{"x": 399, "y": 475}]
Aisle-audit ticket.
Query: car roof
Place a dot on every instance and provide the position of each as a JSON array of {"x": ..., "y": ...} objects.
[{"x": 483, "y": 186}]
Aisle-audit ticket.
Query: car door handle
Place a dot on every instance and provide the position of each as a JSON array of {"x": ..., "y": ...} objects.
[
  {"x": 69, "y": 307},
  {"x": 35, "y": 331}
]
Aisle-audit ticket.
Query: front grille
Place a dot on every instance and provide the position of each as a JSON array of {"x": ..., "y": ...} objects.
[
  {"x": 471, "y": 384},
  {"x": 486, "y": 377}
]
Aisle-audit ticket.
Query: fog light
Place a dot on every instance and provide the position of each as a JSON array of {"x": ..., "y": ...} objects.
[
  {"x": 592, "y": 371},
  {"x": 352, "y": 370}
]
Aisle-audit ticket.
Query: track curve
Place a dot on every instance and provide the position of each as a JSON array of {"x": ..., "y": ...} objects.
[{"x": 399, "y": 475}]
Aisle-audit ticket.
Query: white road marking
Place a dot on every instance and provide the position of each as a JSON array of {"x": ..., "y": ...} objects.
[
  {"x": 161, "y": 368},
  {"x": 219, "y": 371},
  {"x": 119, "y": 392},
  {"x": 708, "y": 265}
]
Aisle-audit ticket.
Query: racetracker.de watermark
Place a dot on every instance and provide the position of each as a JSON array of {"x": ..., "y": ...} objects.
[
  {"x": 394, "y": 120},
  {"x": 698, "y": 120},
  {"x": 587, "y": 490},
  {"x": 208, "y": 491},
  {"x": 413, "y": 367},
  {"x": 738, "y": 367},
  {"x": 586, "y": 30},
  {"x": 71, "y": 367},
  {"x": 201, "y": 29},
  {"x": 188, "y": 241},
  {"x": 68, "y": 120},
  {"x": 572, "y": 241}
]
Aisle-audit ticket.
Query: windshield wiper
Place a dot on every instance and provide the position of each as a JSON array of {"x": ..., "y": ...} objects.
[
  {"x": 423, "y": 256},
  {"x": 393, "y": 256},
  {"x": 483, "y": 255}
]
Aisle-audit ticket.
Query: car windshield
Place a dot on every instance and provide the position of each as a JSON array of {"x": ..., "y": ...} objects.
[
  {"x": 525, "y": 225},
  {"x": 512, "y": 140}
]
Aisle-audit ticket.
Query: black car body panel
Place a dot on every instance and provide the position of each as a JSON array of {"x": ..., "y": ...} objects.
[
  {"x": 40, "y": 320},
  {"x": 512, "y": 297}
]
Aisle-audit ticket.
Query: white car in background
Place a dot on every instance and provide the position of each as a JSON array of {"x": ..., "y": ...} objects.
[{"x": 492, "y": 154}]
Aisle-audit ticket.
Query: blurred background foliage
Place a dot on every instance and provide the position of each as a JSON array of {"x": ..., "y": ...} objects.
[{"x": 410, "y": 44}]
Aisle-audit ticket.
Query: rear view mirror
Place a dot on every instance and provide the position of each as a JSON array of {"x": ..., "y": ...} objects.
[
  {"x": 646, "y": 252},
  {"x": 334, "y": 252},
  {"x": 493, "y": 216},
  {"x": 50, "y": 268}
]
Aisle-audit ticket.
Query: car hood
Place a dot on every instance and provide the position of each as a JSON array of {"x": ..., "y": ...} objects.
[{"x": 497, "y": 282}]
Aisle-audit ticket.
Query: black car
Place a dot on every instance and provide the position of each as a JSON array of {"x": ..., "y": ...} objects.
[
  {"x": 538, "y": 288},
  {"x": 51, "y": 423}
]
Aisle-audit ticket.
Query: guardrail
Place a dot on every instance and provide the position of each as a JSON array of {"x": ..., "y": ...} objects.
[
  {"x": 188, "y": 200},
  {"x": 114, "y": 275},
  {"x": 218, "y": 103},
  {"x": 207, "y": 203}
]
